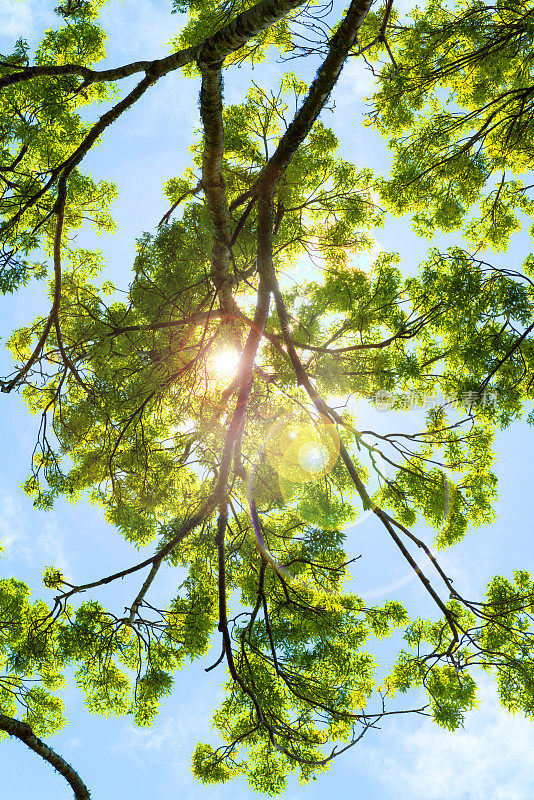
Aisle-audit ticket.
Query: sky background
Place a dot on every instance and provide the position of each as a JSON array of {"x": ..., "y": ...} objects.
[{"x": 408, "y": 758}]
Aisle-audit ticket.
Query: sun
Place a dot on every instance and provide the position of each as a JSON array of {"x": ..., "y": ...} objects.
[{"x": 223, "y": 363}]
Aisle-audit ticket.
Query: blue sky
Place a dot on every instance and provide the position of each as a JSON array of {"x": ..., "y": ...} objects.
[{"x": 412, "y": 758}]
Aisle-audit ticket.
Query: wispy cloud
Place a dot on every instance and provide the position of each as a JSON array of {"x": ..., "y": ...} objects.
[
  {"x": 15, "y": 19},
  {"x": 73, "y": 744},
  {"x": 170, "y": 735},
  {"x": 166, "y": 748},
  {"x": 30, "y": 542},
  {"x": 12, "y": 531},
  {"x": 357, "y": 81},
  {"x": 140, "y": 28},
  {"x": 170, "y": 106},
  {"x": 490, "y": 759},
  {"x": 24, "y": 20}
]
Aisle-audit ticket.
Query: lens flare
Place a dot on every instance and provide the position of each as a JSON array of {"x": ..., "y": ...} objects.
[
  {"x": 313, "y": 457},
  {"x": 223, "y": 363},
  {"x": 302, "y": 449}
]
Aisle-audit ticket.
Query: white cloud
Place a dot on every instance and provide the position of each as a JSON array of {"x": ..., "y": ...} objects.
[
  {"x": 51, "y": 544},
  {"x": 23, "y": 19},
  {"x": 73, "y": 744},
  {"x": 176, "y": 735},
  {"x": 11, "y": 526},
  {"x": 139, "y": 28},
  {"x": 490, "y": 759},
  {"x": 166, "y": 748},
  {"x": 357, "y": 81},
  {"x": 15, "y": 19},
  {"x": 31, "y": 543}
]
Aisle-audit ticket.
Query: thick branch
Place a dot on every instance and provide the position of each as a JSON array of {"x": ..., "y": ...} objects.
[
  {"x": 24, "y": 732},
  {"x": 213, "y": 182},
  {"x": 253, "y": 341},
  {"x": 340, "y": 46},
  {"x": 144, "y": 589},
  {"x": 303, "y": 380},
  {"x": 243, "y": 28},
  {"x": 212, "y": 50},
  {"x": 59, "y": 70}
]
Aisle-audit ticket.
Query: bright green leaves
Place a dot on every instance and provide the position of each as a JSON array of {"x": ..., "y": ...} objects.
[
  {"x": 324, "y": 205},
  {"x": 137, "y": 408},
  {"x": 130, "y": 374},
  {"x": 119, "y": 671},
  {"x": 41, "y": 130},
  {"x": 496, "y": 635},
  {"x": 176, "y": 261},
  {"x": 306, "y": 675},
  {"x": 31, "y": 661},
  {"x": 116, "y": 670},
  {"x": 154, "y": 685},
  {"x": 44, "y": 712},
  {"x": 191, "y": 619},
  {"x": 149, "y": 361},
  {"x": 451, "y": 695},
  {"x": 81, "y": 41},
  {"x": 456, "y": 109},
  {"x": 322, "y": 503},
  {"x": 209, "y": 767},
  {"x": 476, "y": 329},
  {"x": 449, "y": 684},
  {"x": 106, "y": 688},
  {"x": 206, "y": 18},
  {"x": 52, "y": 577},
  {"x": 509, "y": 633}
]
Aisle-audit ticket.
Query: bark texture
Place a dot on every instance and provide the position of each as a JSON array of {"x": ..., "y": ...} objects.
[{"x": 24, "y": 732}]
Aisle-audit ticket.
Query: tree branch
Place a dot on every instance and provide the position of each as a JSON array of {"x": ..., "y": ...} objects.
[
  {"x": 244, "y": 27},
  {"x": 254, "y": 338},
  {"x": 186, "y": 528},
  {"x": 24, "y": 732},
  {"x": 213, "y": 182},
  {"x": 54, "y": 311},
  {"x": 303, "y": 379},
  {"x": 214, "y": 49},
  {"x": 339, "y": 48},
  {"x": 505, "y": 358},
  {"x": 144, "y": 589}
]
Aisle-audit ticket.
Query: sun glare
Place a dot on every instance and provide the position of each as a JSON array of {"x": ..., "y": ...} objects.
[{"x": 224, "y": 363}]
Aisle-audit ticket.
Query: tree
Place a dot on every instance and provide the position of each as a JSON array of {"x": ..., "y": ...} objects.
[{"x": 253, "y": 488}]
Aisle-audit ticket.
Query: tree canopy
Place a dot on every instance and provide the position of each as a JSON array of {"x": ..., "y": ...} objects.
[{"x": 209, "y": 408}]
